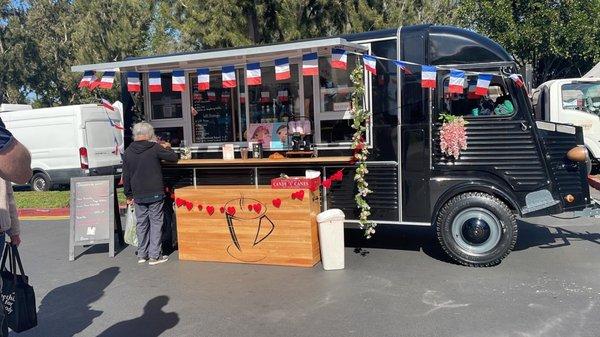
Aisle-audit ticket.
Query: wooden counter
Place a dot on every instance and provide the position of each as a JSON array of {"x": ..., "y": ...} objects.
[
  {"x": 260, "y": 162},
  {"x": 247, "y": 224}
]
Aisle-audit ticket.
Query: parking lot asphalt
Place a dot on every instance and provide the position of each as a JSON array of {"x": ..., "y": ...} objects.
[{"x": 397, "y": 284}]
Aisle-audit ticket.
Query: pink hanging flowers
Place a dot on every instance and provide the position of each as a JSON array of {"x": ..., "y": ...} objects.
[{"x": 453, "y": 135}]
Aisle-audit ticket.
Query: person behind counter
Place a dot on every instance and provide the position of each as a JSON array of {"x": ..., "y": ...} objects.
[{"x": 143, "y": 180}]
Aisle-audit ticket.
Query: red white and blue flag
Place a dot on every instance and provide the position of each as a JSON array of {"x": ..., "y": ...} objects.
[
  {"x": 212, "y": 97},
  {"x": 154, "y": 82},
  {"x": 483, "y": 83},
  {"x": 457, "y": 82},
  {"x": 282, "y": 69},
  {"x": 105, "y": 103},
  {"x": 403, "y": 67},
  {"x": 228, "y": 76},
  {"x": 94, "y": 83},
  {"x": 178, "y": 80},
  {"x": 253, "y": 75},
  {"x": 518, "y": 80},
  {"x": 133, "y": 81},
  {"x": 310, "y": 64},
  {"x": 88, "y": 75},
  {"x": 428, "y": 77},
  {"x": 115, "y": 124},
  {"x": 282, "y": 96},
  {"x": 370, "y": 64},
  {"x": 108, "y": 78},
  {"x": 339, "y": 59},
  {"x": 203, "y": 79}
]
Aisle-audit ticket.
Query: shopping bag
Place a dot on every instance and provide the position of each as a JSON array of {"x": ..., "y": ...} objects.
[
  {"x": 18, "y": 296},
  {"x": 130, "y": 227}
]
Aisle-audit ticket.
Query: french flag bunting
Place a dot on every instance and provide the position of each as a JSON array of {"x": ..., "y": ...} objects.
[
  {"x": 483, "y": 83},
  {"x": 282, "y": 96},
  {"x": 105, "y": 103},
  {"x": 94, "y": 83},
  {"x": 212, "y": 97},
  {"x": 403, "y": 67},
  {"x": 518, "y": 80},
  {"x": 428, "y": 77},
  {"x": 310, "y": 64},
  {"x": 203, "y": 79},
  {"x": 178, "y": 80},
  {"x": 253, "y": 75},
  {"x": 154, "y": 83},
  {"x": 370, "y": 64},
  {"x": 108, "y": 78},
  {"x": 228, "y": 75},
  {"x": 265, "y": 97},
  {"x": 457, "y": 81},
  {"x": 133, "y": 81},
  {"x": 339, "y": 58},
  {"x": 282, "y": 69},
  {"x": 87, "y": 78}
]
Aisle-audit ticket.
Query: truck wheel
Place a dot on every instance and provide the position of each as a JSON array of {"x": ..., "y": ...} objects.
[
  {"x": 476, "y": 229},
  {"x": 40, "y": 182}
]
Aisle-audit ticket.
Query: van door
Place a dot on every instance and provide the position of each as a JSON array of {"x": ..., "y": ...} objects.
[{"x": 103, "y": 141}]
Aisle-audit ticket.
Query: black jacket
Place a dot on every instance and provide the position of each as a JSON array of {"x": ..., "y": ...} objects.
[{"x": 142, "y": 174}]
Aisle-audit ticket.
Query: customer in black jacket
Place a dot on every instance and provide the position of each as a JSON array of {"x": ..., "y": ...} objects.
[{"x": 142, "y": 177}]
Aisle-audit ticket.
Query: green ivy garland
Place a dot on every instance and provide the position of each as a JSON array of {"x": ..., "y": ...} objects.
[{"x": 361, "y": 152}]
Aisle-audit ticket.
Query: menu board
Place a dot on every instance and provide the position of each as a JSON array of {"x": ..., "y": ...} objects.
[
  {"x": 212, "y": 121},
  {"x": 92, "y": 212}
]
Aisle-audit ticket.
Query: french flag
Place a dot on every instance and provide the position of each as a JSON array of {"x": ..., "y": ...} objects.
[
  {"x": 228, "y": 76},
  {"x": 518, "y": 80},
  {"x": 370, "y": 64},
  {"x": 87, "y": 78},
  {"x": 403, "y": 67},
  {"x": 105, "y": 103},
  {"x": 457, "y": 81},
  {"x": 265, "y": 97},
  {"x": 178, "y": 81},
  {"x": 94, "y": 83},
  {"x": 282, "y": 69},
  {"x": 483, "y": 83},
  {"x": 339, "y": 58},
  {"x": 282, "y": 96},
  {"x": 212, "y": 97},
  {"x": 154, "y": 84},
  {"x": 253, "y": 75},
  {"x": 310, "y": 64},
  {"x": 203, "y": 79},
  {"x": 428, "y": 77},
  {"x": 133, "y": 81},
  {"x": 108, "y": 78}
]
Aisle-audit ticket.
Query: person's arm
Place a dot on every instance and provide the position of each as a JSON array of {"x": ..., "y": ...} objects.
[
  {"x": 15, "y": 226},
  {"x": 166, "y": 154},
  {"x": 127, "y": 181},
  {"x": 15, "y": 159}
]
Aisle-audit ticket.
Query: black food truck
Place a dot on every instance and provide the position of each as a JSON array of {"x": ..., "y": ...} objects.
[{"x": 513, "y": 165}]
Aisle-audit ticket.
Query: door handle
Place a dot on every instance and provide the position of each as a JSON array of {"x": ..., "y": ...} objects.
[{"x": 524, "y": 127}]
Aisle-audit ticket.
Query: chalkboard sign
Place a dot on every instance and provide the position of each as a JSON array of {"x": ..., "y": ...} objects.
[
  {"x": 92, "y": 213},
  {"x": 213, "y": 121}
]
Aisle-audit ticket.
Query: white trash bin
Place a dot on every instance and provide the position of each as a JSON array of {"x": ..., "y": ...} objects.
[{"x": 331, "y": 238}]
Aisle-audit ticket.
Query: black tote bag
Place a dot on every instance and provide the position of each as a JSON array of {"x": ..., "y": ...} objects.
[{"x": 18, "y": 296}]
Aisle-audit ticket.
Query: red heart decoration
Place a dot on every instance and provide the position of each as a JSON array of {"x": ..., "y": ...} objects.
[
  {"x": 231, "y": 210},
  {"x": 210, "y": 210},
  {"x": 277, "y": 202},
  {"x": 327, "y": 183},
  {"x": 222, "y": 210},
  {"x": 298, "y": 195},
  {"x": 179, "y": 202},
  {"x": 257, "y": 207},
  {"x": 200, "y": 207},
  {"x": 337, "y": 176},
  {"x": 189, "y": 205},
  {"x": 250, "y": 207}
]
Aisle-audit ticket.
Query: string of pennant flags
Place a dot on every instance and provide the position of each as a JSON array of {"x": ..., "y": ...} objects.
[{"x": 310, "y": 67}]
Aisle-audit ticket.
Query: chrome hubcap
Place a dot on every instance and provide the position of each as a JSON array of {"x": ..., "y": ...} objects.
[{"x": 476, "y": 230}]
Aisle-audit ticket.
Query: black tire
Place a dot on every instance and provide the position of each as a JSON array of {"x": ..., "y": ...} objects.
[
  {"x": 40, "y": 182},
  {"x": 476, "y": 229}
]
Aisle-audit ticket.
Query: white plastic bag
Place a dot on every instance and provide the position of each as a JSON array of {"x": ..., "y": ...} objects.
[{"x": 130, "y": 227}]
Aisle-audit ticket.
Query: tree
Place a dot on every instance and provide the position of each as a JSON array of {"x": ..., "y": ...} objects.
[
  {"x": 558, "y": 38},
  {"x": 14, "y": 50}
]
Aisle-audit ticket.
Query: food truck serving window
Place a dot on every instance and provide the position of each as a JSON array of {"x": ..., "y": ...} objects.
[
  {"x": 497, "y": 102},
  {"x": 166, "y": 104}
]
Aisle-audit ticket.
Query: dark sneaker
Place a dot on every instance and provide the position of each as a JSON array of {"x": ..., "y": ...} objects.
[{"x": 158, "y": 261}]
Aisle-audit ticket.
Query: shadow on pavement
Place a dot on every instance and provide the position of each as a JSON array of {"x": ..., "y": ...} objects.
[
  {"x": 153, "y": 322},
  {"x": 532, "y": 235},
  {"x": 66, "y": 310},
  {"x": 415, "y": 238}
]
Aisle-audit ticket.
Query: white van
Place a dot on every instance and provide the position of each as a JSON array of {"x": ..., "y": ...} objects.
[{"x": 68, "y": 141}]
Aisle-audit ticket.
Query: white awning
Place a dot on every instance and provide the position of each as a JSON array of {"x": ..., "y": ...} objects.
[{"x": 220, "y": 57}]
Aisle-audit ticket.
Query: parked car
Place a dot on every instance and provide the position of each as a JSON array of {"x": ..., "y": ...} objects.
[{"x": 67, "y": 141}]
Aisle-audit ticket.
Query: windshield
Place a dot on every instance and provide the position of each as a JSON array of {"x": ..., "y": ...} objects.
[{"x": 582, "y": 96}]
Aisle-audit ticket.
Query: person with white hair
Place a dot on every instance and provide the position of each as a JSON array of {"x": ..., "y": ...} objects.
[{"x": 143, "y": 182}]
